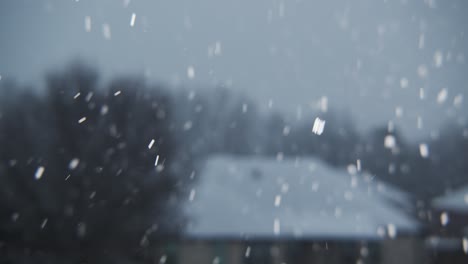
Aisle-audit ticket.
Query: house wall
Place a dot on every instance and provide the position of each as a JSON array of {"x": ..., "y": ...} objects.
[
  {"x": 403, "y": 251},
  {"x": 231, "y": 252},
  {"x": 235, "y": 253},
  {"x": 195, "y": 252}
]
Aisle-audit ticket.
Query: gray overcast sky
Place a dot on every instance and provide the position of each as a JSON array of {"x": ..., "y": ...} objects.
[{"x": 359, "y": 54}]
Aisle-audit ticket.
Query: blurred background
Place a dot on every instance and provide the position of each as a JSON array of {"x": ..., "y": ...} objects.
[{"x": 233, "y": 131}]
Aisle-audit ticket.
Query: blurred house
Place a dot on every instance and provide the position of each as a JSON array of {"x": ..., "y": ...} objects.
[
  {"x": 449, "y": 227},
  {"x": 260, "y": 210}
]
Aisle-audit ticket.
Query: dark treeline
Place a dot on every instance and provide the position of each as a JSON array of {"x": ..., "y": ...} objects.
[{"x": 77, "y": 176}]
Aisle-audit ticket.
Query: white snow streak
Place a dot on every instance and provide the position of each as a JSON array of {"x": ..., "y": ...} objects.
[
  {"x": 191, "y": 72},
  {"x": 82, "y": 120},
  {"x": 44, "y": 223},
  {"x": 73, "y": 164},
  {"x": 39, "y": 171},
  {"x": 192, "y": 195},
  {"x": 247, "y": 252},
  {"x": 424, "y": 150},
  {"x": 104, "y": 109},
  {"x": 244, "y": 108},
  {"x": 442, "y": 96},
  {"x": 458, "y": 100},
  {"x": 106, "y": 31},
  {"x": 399, "y": 111},
  {"x": 438, "y": 59},
  {"x": 324, "y": 104},
  {"x": 421, "y": 41},
  {"x": 277, "y": 200},
  {"x": 132, "y": 20},
  {"x": 276, "y": 226},
  {"x": 150, "y": 145},
  {"x": 391, "y": 230},
  {"x": 319, "y": 126},
  {"x": 87, "y": 22},
  {"x": 404, "y": 83},
  {"x": 389, "y": 141},
  {"x": 419, "y": 122},
  {"x": 465, "y": 245},
  {"x": 444, "y": 218},
  {"x": 422, "y": 71},
  {"x": 421, "y": 93}
]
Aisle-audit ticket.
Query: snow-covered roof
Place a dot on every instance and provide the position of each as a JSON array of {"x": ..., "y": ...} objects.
[
  {"x": 253, "y": 197},
  {"x": 457, "y": 200}
]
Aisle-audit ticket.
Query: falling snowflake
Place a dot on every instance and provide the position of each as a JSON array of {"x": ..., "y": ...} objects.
[
  {"x": 44, "y": 223},
  {"x": 323, "y": 104},
  {"x": 81, "y": 230},
  {"x": 421, "y": 93},
  {"x": 422, "y": 71},
  {"x": 150, "y": 145},
  {"x": 276, "y": 226},
  {"x": 132, "y": 20},
  {"x": 438, "y": 59},
  {"x": 419, "y": 122},
  {"x": 192, "y": 195},
  {"x": 106, "y": 31},
  {"x": 277, "y": 200},
  {"x": 281, "y": 9},
  {"x": 188, "y": 125},
  {"x": 247, "y": 252},
  {"x": 398, "y": 111},
  {"x": 444, "y": 219},
  {"x": 104, "y": 109},
  {"x": 191, "y": 72},
  {"x": 389, "y": 141},
  {"x": 87, "y": 23},
  {"x": 465, "y": 245},
  {"x": 381, "y": 231},
  {"x": 391, "y": 230},
  {"x": 39, "y": 172},
  {"x": 442, "y": 96},
  {"x": 421, "y": 41},
  {"x": 163, "y": 259},
  {"x": 73, "y": 164},
  {"x": 270, "y": 103},
  {"x": 458, "y": 100},
  {"x": 319, "y": 126},
  {"x": 244, "y": 108},
  {"x": 404, "y": 83},
  {"x": 424, "y": 150}
]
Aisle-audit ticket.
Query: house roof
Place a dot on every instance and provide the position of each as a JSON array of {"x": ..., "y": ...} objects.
[
  {"x": 253, "y": 197},
  {"x": 457, "y": 200}
]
